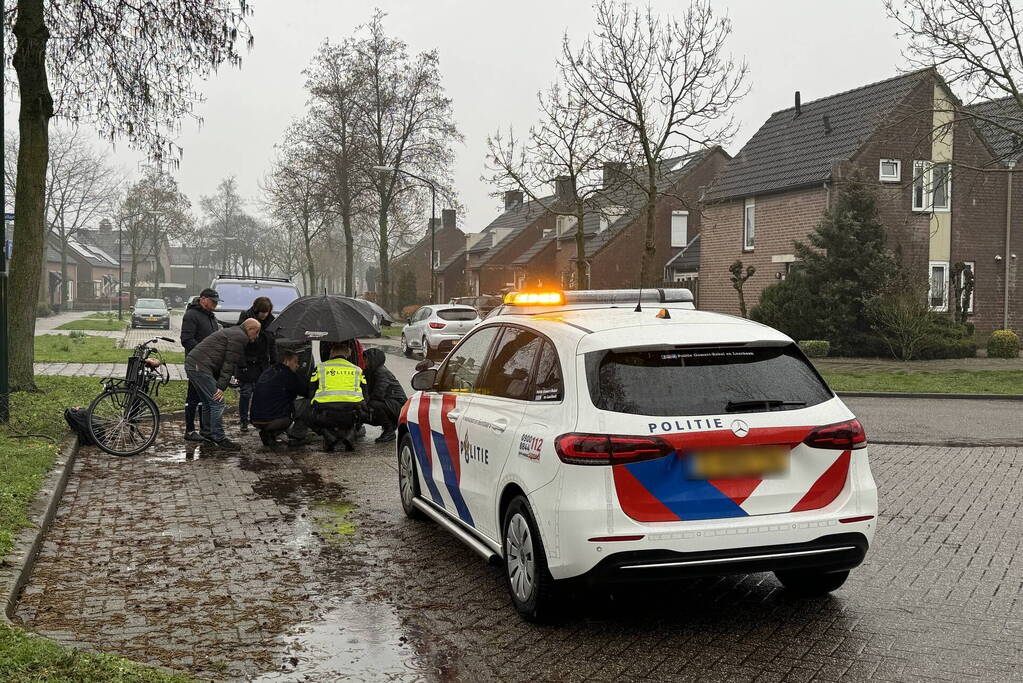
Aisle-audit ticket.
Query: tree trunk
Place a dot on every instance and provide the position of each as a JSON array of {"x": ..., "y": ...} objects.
[
  {"x": 132, "y": 278},
  {"x": 384, "y": 279},
  {"x": 30, "y": 189},
  {"x": 649, "y": 246},
  {"x": 309, "y": 262},
  {"x": 582, "y": 280},
  {"x": 346, "y": 224}
]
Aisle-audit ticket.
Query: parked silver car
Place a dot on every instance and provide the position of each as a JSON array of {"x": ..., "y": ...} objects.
[
  {"x": 150, "y": 313},
  {"x": 436, "y": 328}
]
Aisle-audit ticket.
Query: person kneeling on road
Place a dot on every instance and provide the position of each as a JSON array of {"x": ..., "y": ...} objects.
[
  {"x": 385, "y": 395},
  {"x": 338, "y": 404},
  {"x": 210, "y": 366},
  {"x": 273, "y": 397}
]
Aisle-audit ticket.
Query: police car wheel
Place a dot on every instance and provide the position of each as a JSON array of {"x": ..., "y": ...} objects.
[
  {"x": 427, "y": 351},
  {"x": 408, "y": 483},
  {"x": 532, "y": 588},
  {"x": 405, "y": 348},
  {"x": 811, "y": 583}
]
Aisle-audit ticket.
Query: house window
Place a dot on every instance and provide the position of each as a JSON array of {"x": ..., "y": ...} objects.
[
  {"x": 436, "y": 258},
  {"x": 749, "y": 225},
  {"x": 932, "y": 186},
  {"x": 891, "y": 171},
  {"x": 679, "y": 228},
  {"x": 565, "y": 225},
  {"x": 936, "y": 297}
]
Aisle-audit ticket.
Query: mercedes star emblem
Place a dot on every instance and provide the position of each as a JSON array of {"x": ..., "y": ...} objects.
[{"x": 740, "y": 428}]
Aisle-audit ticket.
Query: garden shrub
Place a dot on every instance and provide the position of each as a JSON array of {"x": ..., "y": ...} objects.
[
  {"x": 815, "y": 348},
  {"x": 1003, "y": 344}
]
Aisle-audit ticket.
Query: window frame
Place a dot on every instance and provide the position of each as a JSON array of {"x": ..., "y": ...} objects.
[
  {"x": 891, "y": 178},
  {"x": 749, "y": 224},
  {"x": 931, "y": 265},
  {"x": 924, "y": 181},
  {"x": 948, "y": 187},
  {"x": 685, "y": 241},
  {"x": 436, "y": 259},
  {"x": 484, "y": 364},
  {"x": 531, "y": 388}
]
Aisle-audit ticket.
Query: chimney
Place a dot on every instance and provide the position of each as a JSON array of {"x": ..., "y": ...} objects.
[
  {"x": 512, "y": 198},
  {"x": 563, "y": 186},
  {"x": 105, "y": 226},
  {"x": 799, "y": 110},
  {"x": 434, "y": 224},
  {"x": 827, "y": 125},
  {"x": 447, "y": 219},
  {"x": 612, "y": 171}
]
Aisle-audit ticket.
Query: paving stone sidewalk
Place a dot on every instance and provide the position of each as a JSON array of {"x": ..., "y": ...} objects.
[
  {"x": 177, "y": 371},
  {"x": 301, "y": 566}
]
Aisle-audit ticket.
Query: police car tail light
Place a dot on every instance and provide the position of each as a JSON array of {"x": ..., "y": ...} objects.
[
  {"x": 602, "y": 449},
  {"x": 437, "y": 326},
  {"x": 842, "y": 436}
]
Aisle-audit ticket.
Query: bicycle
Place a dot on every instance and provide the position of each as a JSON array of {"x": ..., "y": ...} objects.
[{"x": 124, "y": 420}]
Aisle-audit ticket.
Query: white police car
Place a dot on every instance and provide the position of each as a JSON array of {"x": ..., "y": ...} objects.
[{"x": 580, "y": 436}]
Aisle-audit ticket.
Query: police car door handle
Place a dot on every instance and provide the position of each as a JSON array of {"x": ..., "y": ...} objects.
[
  {"x": 499, "y": 426},
  {"x": 453, "y": 415}
]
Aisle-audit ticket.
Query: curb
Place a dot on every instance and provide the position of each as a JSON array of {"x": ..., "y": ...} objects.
[
  {"x": 964, "y": 397},
  {"x": 17, "y": 566}
]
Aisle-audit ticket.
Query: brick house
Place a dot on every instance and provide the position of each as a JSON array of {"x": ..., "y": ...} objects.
[
  {"x": 615, "y": 232},
  {"x": 940, "y": 192},
  {"x": 447, "y": 239},
  {"x": 490, "y": 253}
]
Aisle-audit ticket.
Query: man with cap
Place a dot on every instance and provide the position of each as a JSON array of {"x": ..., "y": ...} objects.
[{"x": 197, "y": 324}]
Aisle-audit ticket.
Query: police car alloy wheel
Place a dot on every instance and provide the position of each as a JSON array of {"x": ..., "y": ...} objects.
[
  {"x": 529, "y": 581},
  {"x": 408, "y": 484}
]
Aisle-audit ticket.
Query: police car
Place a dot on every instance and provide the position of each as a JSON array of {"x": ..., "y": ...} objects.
[{"x": 623, "y": 435}]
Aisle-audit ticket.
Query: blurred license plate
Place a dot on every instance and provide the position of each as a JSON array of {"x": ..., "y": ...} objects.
[
  {"x": 738, "y": 463},
  {"x": 152, "y": 320}
]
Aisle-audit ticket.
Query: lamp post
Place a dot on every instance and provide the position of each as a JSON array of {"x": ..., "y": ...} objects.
[{"x": 433, "y": 219}]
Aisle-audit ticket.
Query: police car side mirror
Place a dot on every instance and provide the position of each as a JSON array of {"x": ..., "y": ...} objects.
[
  {"x": 424, "y": 364},
  {"x": 424, "y": 380}
]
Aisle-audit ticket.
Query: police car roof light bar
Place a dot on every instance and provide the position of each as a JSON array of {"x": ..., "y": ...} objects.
[{"x": 629, "y": 296}]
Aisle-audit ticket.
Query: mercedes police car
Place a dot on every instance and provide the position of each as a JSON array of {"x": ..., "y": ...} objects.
[{"x": 623, "y": 435}]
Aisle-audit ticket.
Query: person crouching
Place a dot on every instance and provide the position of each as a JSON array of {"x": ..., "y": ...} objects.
[
  {"x": 386, "y": 397},
  {"x": 338, "y": 404},
  {"x": 273, "y": 397}
]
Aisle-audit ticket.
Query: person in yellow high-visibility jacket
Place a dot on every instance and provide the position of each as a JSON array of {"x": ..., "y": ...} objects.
[{"x": 338, "y": 402}]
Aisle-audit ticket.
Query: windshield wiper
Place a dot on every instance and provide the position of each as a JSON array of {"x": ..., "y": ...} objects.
[{"x": 764, "y": 404}]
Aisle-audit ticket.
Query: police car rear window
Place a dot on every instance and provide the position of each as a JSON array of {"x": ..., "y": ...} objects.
[
  {"x": 457, "y": 314},
  {"x": 703, "y": 381}
]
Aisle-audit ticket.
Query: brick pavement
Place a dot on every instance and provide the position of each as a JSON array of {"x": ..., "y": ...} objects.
[
  {"x": 212, "y": 564},
  {"x": 177, "y": 371}
]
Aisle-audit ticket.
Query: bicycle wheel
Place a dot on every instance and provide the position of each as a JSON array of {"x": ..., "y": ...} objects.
[{"x": 123, "y": 422}]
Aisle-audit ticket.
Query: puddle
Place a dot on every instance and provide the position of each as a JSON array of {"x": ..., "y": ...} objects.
[
  {"x": 335, "y": 520},
  {"x": 362, "y": 641}
]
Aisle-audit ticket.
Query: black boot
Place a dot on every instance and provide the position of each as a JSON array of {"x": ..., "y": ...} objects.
[{"x": 387, "y": 435}]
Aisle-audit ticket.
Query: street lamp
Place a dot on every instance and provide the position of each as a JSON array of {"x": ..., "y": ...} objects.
[{"x": 433, "y": 219}]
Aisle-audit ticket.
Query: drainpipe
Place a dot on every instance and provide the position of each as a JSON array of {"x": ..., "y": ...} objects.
[{"x": 1007, "y": 258}]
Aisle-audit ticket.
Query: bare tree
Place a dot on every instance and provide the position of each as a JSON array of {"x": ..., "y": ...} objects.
[
  {"x": 128, "y": 68},
  {"x": 409, "y": 123},
  {"x": 293, "y": 192},
  {"x": 666, "y": 85},
  {"x": 152, "y": 212},
  {"x": 224, "y": 214},
  {"x": 81, "y": 187},
  {"x": 564, "y": 150}
]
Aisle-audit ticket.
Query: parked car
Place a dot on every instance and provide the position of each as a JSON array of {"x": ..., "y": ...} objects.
[
  {"x": 577, "y": 437},
  {"x": 437, "y": 328},
  {"x": 150, "y": 313},
  {"x": 483, "y": 303},
  {"x": 238, "y": 292}
]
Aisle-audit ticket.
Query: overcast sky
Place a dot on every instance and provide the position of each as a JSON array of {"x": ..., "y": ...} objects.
[{"x": 493, "y": 58}]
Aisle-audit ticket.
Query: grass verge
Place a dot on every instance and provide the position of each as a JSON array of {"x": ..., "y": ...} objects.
[
  {"x": 106, "y": 322},
  {"x": 24, "y": 463},
  {"x": 391, "y": 331},
  {"x": 63, "y": 348},
  {"x": 992, "y": 382}
]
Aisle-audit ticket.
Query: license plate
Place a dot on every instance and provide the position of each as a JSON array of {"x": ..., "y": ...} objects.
[
  {"x": 152, "y": 320},
  {"x": 739, "y": 463}
]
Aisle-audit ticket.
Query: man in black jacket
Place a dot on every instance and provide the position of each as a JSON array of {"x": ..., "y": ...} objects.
[
  {"x": 273, "y": 399},
  {"x": 197, "y": 324},
  {"x": 210, "y": 366},
  {"x": 259, "y": 355},
  {"x": 385, "y": 397}
]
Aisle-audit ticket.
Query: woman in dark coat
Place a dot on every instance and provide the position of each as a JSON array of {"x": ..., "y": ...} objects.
[
  {"x": 259, "y": 355},
  {"x": 384, "y": 395}
]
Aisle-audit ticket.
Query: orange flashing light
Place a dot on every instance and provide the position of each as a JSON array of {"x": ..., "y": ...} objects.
[{"x": 534, "y": 298}]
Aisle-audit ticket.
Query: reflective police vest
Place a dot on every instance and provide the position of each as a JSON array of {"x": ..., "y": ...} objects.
[{"x": 339, "y": 381}]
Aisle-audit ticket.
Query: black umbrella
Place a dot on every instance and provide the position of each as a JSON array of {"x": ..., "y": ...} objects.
[
  {"x": 377, "y": 314},
  {"x": 326, "y": 317}
]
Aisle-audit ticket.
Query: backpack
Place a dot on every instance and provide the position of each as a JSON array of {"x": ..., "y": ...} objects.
[{"x": 78, "y": 420}]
